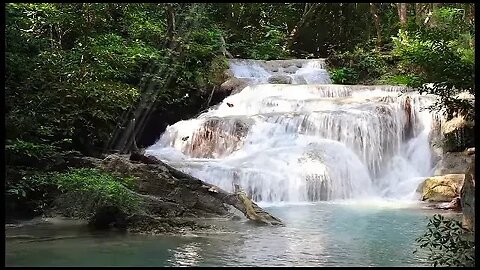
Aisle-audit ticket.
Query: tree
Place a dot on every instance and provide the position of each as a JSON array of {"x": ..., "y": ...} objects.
[
  {"x": 402, "y": 14},
  {"x": 377, "y": 20},
  {"x": 308, "y": 12}
]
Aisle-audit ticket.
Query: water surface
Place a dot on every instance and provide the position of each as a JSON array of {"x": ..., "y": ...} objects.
[{"x": 317, "y": 234}]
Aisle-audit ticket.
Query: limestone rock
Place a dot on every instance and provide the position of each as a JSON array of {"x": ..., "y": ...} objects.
[
  {"x": 233, "y": 85},
  {"x": 458, "y": 134},
  {"x": 452, "y": 163},
  {"x": 280, "y": 79},
  {"x": 168, "y": 194},
  {"x": 441, "y": 188},
  {"x": 290, "y": 69},
  {"x": 299, "y": 79},
  {"x": 454, "y": 205},
  {"x": 467, "y": 195}
]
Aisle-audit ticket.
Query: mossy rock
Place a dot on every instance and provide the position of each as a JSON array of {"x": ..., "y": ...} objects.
[{"x": 441, "y": 188}]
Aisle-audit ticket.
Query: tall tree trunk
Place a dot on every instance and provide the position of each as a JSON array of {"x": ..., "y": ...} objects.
[
  {"x": 308, "y": 12},
  {"x": 420, "y": 11},
  {"x": 402, "y": 14},
  {"x": 432, "y": 21},
  {"x": 470, "y": 13},
  {"x": 376, "y": 19},
  {"x": 170, "y": 10}
]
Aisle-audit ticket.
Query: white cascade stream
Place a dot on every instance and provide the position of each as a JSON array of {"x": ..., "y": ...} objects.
[{"x": 306, "y": 141}]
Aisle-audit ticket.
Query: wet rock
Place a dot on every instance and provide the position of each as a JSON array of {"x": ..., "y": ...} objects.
[
  {"x": 234, "y": 85},
  {"x": 107, "y": 217},
  {"x": 163, "y": 192},
  {"x": 299, "y": 79},
  {"x": 148, "y": 224},
  {"x": 218, "y": 137},
  {"x": 290, "y": 69},
  {"x": 467, "y": 195},
  {"x": 441, "y": 188},
  {"x": 458, "y": 134},
  {"x": 454, "y": 205},
  {"x": 280, "y": 79},
  {"x": 452, "y": 163}
]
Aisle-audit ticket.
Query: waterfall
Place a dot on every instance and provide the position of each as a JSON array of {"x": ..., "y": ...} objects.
[{"x": 306, "y": 141}]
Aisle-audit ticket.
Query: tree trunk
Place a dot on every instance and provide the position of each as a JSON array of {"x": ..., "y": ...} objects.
[
  {"x": 470, "y": 13},
  {"x": 431, "y": 21},
  {"x": 402, "y": 14},
  {"x": 308, "y": 12},
  {"x": 170, "y": 12},
  {"x": 420, "y": 10},
  {"x": 376, "y": 19}
]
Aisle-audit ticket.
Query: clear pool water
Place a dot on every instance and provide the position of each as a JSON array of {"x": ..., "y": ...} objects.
[{"x": 320, "y": 234}]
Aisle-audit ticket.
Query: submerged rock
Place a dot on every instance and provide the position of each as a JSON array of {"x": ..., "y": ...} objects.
[
  {"x": 290, "y": 69},
  {"x": 147, "y": 224},
  {"x": 441, "y": 188},
  {"x": 280, "y": 79}
]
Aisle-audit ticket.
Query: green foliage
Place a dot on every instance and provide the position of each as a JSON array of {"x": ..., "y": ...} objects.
[
  {"x": 398, "y": 79},
  {"x": 435, "y": 60},
  {"x": 28, "y": 186},
  {"x": 442, "y": 55},
  {"x": 74, "y": 84},
  {"x": 96, "y": 189},
  {"x": 25, "y": 149},
  {"x": 27, "y": 192},
  {"x": 257, "y": 31},
  {"x": 448, "y": 243},
  {"x": 344, "y": 76},
  {"x": 84, "y": 189},
  {"x": 357, "y": 66}
]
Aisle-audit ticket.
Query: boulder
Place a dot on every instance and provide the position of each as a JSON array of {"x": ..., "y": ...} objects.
[
  {"x": 458, "y": 134},
  {"x": 290, "y": 69},
  {"x": 280, "y": 79},
  {"x": 299, "y": 79},
  {"x": 467, "y": 195},
  {"x": 452, "y": 163},
  {"x": 168, "y": 190},
  {"x": 233, "y": 85},
  {"x": 443, "y": 188},
  {"x": 454, "y": 205}
]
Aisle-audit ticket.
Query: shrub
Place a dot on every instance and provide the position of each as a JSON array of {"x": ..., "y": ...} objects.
[
  {"x": 20, "y": 152},
  {"x": 358, "y": 66},
  {"x": 448, "y": 243},
  {"x": 344, "y": 76},
  {"x": 441, "y": 55},
  {"x": 87, "y": 190},
  {"x": 399, "y": 79},
  {"x": 27, "y": 192}
]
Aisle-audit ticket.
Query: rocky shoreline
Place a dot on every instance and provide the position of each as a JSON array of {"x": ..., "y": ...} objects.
[
  {"x": 171, "y": 202},
  {"x": 453, "y": 186}
]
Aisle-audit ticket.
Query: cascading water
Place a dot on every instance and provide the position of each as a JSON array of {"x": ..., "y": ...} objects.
[{"x": 306, "y": 141}]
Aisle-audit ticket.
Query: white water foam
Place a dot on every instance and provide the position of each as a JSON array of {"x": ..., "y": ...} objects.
[{"x": 296, "y": 143}]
